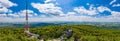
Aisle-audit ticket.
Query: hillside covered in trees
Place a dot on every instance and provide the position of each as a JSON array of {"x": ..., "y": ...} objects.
[{"x": 81, "y": 32}]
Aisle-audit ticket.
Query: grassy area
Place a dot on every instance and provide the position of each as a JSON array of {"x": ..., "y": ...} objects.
[{"x": 82, "y": 32}]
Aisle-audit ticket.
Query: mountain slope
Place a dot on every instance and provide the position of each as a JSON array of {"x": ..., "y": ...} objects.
[{"x": 81, "y": 32}]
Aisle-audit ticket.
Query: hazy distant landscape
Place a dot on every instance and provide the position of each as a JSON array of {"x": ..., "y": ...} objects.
[{"x": 108, "y": 25}]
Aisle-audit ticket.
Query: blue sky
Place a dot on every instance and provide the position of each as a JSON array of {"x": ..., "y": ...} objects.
[{"x": 60, "y": 10}]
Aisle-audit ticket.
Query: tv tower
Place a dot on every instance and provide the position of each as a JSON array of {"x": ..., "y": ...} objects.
[
  {"x": 26, "y": 25},
  {"x": 26, "y": 28}
]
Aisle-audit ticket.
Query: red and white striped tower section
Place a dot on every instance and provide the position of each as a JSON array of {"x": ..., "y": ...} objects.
[{"x": 27, "y": 27}]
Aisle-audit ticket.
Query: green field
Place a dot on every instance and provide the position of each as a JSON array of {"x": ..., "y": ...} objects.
[{"x": 82, "y": 32}]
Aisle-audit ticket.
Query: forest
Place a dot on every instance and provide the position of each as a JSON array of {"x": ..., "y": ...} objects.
[{"x": 81, "y": 32}]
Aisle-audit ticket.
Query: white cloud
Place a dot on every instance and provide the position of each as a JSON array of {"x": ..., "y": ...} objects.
[
  {"x": 13, "y": 15},
  {"x": 70, "y": 13},
  {"x": 49, "y": 8},
  {"x": 116, "y": 5},
  {"x": 71, "y": 18},
  {"x": 76, "y": 19},
  {"x": 92, "y": 10},
  {"x": 4, "y": 5},
  {"x": 83, "y": 10},
  {"x": 8, "y": 19},
  {"x": 68, "y": 19},
  {"x": 3, "y": 10},
  {"x": 51, "y": 1},
  {"x": 115, "y": 14},
  {"x": 112, "y": 2},
  {"x": 7, "y": 3},
  {"x": 42, "y": 16},
  {"x": 114, "y": 17},
  {"x": 22, "y": 13},
  {"x": 102, "y": 9},
  {"x": 3, "y": 15},
  {"x": 48, "y": 1}
]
